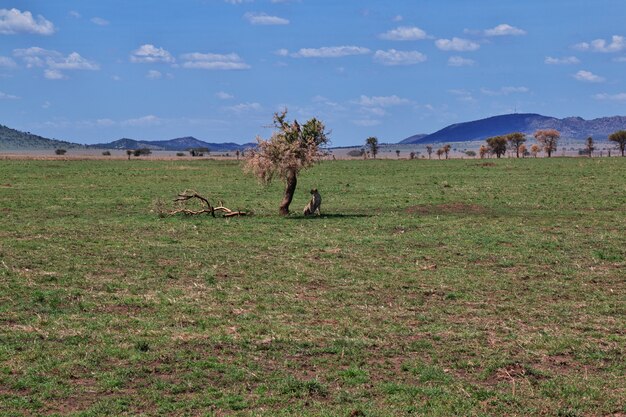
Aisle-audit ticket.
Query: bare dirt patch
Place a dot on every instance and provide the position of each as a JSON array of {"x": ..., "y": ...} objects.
[{"x": 449, "y": 208}]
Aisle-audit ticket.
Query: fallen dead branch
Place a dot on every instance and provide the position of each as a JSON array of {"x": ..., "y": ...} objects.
[{"x": 190, "y": 195}]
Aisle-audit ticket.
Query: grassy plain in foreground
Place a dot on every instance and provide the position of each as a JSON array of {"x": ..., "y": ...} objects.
[{"x": 459, "y": 287}]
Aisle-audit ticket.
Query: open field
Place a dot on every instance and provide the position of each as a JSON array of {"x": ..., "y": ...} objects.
[{"x": 431, "y": 288}]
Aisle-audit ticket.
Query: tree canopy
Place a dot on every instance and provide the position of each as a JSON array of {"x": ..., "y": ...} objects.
[
  {"x": 516, "y": 140},
  {"x": 497, "y": 145},
  {"x": 548, "y": 139},
  {"x": 619, "y": 138},
  {"x": 372, "y": 144}
]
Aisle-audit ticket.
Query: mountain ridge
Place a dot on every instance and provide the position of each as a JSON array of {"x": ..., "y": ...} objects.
[
  {"x": 13, "y": 139},
  {"x": 528, "y": 123},
  {"x": 177, "y": 144}
]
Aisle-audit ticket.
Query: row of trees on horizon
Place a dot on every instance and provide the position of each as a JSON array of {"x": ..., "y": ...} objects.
[{"x": 546, "y": 141}]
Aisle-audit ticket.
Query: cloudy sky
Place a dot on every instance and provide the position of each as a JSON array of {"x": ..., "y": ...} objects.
[{"x": 96, "y": 71}]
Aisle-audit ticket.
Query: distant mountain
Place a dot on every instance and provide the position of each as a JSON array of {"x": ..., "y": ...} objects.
[
  {"x": 570, "y": 127},
  {"x": 178, "y": 144},
  {"x": 13, "y": 140},
  {"x": 414, "y": 138}
]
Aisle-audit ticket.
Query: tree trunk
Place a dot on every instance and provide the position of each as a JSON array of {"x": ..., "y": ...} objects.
[{"x": 290, "y": 188}]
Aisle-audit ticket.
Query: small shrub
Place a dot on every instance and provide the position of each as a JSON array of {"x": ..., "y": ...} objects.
[
  {"x": 142, "y": 346},
  {"x": 180, "y": 154},
  {"x": 356, "y": 153},
  {"x": 60, "y": 151},
  {"x": 106, "y": 153},
  {"x": 142, "y": 151}
]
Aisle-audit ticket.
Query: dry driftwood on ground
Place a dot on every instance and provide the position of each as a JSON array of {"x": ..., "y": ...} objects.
[{"x": 189, "y": 195}]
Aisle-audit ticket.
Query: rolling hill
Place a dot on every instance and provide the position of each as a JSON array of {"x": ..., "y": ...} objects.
[
  {"x": 11, "y": 139},
  {"x": 178, "y": 144},
  {"x": 570, "y": 127}
]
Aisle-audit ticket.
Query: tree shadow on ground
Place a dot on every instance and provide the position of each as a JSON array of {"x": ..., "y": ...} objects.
[{"x": 328, "y": 216}]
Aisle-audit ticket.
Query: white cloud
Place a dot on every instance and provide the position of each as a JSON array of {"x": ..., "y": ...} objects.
[
  {"x": 100, "y": 21},
  {"x": 504, "y": 91},
  {"x": 52, "y": 74},
  {"x": 5, "y": 96},
  {"x": 6, "y": 62},
  {"x": 35, "y": 56},
  {"x": 282, "y": 52},
  {"x": 72, "y": 62},
  {"x": 568, "y": 60},
  {"x": 504, "y": 30},
  {"x": 398, "y": 18},
  {"x": 237, "y": 1},
  {"x": 588, "y": 76},
  {"x": 330, "y": 52},
  {"x": 456, "y": 44},
  {"x": 223, "y": 95},
  {"x": 154, "y": 75},
  {"x": 244, "y": 107},
  {"x": 46, "y": 105},
  {"x": 392, "y": 57},
  {"x": 376, "y": 111},
  {"x": 14, "y": 21},
  {"x": 144, "y": 121},
  {"x": 613, "y": 97},
  {"x": 105, "y": 122},
  {"x": 75, "y": 14},
  {"x": 54, "y": 61},
  {"x": 617, "y": 44},
  {"x": 620, "y": 59},
  {"x": 265, "y": 19},
  {"x": 404, "y": 33},
  {"x": 366, "y": 122},
  {"x": 462, "y": 95},
  {"x": 197, "y": 60},
  {"x": 149, "y": 53},
  {"x": 116, "y": 78},
  {"x": 459, "y": 61},
  {"x": 381, "y": 101}
]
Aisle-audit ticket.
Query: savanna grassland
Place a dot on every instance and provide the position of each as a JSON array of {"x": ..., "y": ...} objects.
[{"x": 430, "y": 288}]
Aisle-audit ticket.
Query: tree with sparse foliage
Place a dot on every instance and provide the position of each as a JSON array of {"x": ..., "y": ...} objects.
[
  {"x": 429, "y": 150},
  {"x": 372, "y": 144},
  {"x": 535, "y": 149},
  {"x": 523, "y": 150},
  {"x": 397, "y": 153},
  {"x": 483, "y": 151},
  {"x": 412, "y": 155},
  {"x": 292, "y": 148},
  {"x": 440, "y": 152},
  {"x": 619, "y": 138},
  {"x": 548, "y": 139},
  {"x": 589, "y": 147},
  {"x": 471, "y": 154},
  {"x": 516, "y": 140},
  {"x": 446, "y": 149}
]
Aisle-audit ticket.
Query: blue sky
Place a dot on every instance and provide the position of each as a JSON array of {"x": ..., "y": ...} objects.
[{"x": 94, "y": 71}]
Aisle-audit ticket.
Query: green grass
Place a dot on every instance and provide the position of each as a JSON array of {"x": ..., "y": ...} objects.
[{"x": 426, "y": 288}]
